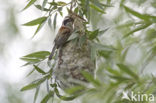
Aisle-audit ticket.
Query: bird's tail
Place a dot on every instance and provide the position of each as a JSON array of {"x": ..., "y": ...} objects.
[{"x": 52, "y": 52}]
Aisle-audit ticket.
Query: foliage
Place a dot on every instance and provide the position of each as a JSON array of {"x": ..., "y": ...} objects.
[{"x": 114, "y": 73}]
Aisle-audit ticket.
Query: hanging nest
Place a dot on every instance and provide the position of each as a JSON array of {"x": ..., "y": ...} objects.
[{"x": 73, "y": 58}]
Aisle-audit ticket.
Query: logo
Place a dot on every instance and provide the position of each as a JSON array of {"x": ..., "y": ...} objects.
[{"x": 132, "y": 96}]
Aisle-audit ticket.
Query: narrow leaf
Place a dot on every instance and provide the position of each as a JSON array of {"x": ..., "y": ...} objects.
[
  {"x": 101, "y": 32},
  {"x": 47, "y": 97},
  {"x": 119, "y": 78},
  {"x": 125, "y": 69},
  {"x": 30, "y": 72},
  {"x": 28, "y": 63},
  {"x": 144, "y": 26},
  {"x": 97, "y": 9},
  {"x": 36, "y": 94},
  {"x": 103, "y": 47},
  {"x": 60, "y": 12},
  {"x": 61, "y": 3},
  {"x": 87, "y": 9},
  {"x": 108, "y": 1},
  {"x": 49, "y": 22},
  {"x": 39, "y": 27},
  {"x": 53, "y": 85},
  {"x": 53, "y": 3},
  {"x": 44, "y": 4},
  {"x": 64, "y": 97},
  {"x": 139, "y": 15},
  {"x": 74, "y": 89},
  {"x": 39, "y": 69},
  {"x": 29, "y": 4},
  {"x": 90, "y": 78},
  {"x": 30, "y": 60},
  {"x": 97, "y": 4},
  {"x": 93, "y": 34},
  {"x": 54, "y": 22},
  {"x": 34, "y": 84},
  {"x": 93, "y": 53},
  {"x": 113, "y": 71},
  {"x": 40, "y": 8},
  {"x": 35, "y": 21},
  {"x": 38, "y": 55},
  {"x": 47, "y": 85}
]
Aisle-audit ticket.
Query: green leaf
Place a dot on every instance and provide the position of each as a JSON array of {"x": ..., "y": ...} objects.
[
  {"x": 139, "y": 15},
  {"x": 61, "y": 3},
  {"x": 29, "y": 4},
  {"x": 87, "y": 9},
  {"x": 34, "y": 84},
  {"x": 39, "y": 69},
  {"x": 113, "y": 71},
  {"x": 108, "y": 1},
  {"x": 28, "y": 63},
  {"x": 47, "y": 97},
  {"x": 61, "y": 13},
  {"x": 124, "y": 53},
  {"x": 54, "y": 22},
  {"x": 38, "y": 55},
  {"x": 144, "y": 26},
  {"x": 150, "y": 34},
  {"x": 93, "y": 34},
  {"x": 99, "y": 46},
  {"x": 30, "y": 72},
  {"x": 36, "y": 21},
  {"x": 53, "y": 85},
  {"x": 76, "y": 10},
  {"x": 101, "y": 32},
  {"x": 53, "y": 3},
  {"x": 93, "y": 53},
  {"x": 60, "y": 9},
  {"x": 153, "y": 4},
  {"x": 120, "y": 78},
  {"x": 127, "y": 24},
  {"x": 107, "y": 5},
  {"x": 97, "y": 9},
  {"x": 44, "y": 4},
  {"x": 39, "y": 28},
  {"x": 36, "y": 94},
  {"x": 74, "y": 89},
  {"x": 105, "y": 54},
  {"x": 64, "y": 97},
  {"x": 40, "y": 8},
  {"x": 82, "y": 40},
  {"x": 49, "y": 22},
  {"x": 97, "y": 4},
  {"x": 145, "y": 17},
  {"x": 125, "y": 69},
  {"x": 30, "y": 60},
  {"x": 111, "y": 97},
  {"x": 47, "y": 85},
  {"x": 90, "y": 78}
]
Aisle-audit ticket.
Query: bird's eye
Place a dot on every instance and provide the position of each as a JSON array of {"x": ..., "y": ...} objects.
[{"x": 66, "y": 21}]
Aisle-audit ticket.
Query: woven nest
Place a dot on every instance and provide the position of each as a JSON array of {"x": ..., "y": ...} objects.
[{"x": 73, "y": 59}]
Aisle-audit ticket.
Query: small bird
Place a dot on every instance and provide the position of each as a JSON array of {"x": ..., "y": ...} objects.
[{"x": 63, "y": 34}]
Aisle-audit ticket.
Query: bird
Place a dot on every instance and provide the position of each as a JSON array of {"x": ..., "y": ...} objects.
[{"x": 63, "y": 34}]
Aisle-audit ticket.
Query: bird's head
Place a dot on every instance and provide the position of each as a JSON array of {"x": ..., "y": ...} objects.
[{"x": 68, "y": 22}]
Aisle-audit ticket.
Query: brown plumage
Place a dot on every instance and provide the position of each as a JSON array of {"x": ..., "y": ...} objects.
[{"x": 63, "y": 34}]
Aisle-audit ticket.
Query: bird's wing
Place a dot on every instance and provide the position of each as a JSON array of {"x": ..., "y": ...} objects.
[{"x": 62, "y": 35}]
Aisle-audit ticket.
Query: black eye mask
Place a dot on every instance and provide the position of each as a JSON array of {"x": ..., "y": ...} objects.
[{"x": 67, "y": 20}]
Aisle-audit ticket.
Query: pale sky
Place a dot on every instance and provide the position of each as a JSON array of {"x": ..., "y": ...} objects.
[{"x": 12, "y": 70}]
